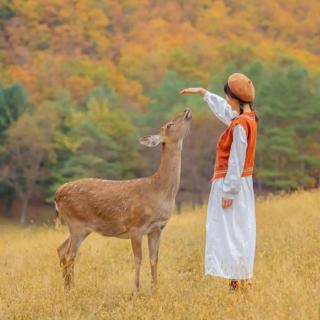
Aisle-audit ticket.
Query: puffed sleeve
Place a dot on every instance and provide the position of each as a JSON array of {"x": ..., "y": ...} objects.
[
  {"x": 231, "y": 184},
  {"x": 220, "y": 107}
]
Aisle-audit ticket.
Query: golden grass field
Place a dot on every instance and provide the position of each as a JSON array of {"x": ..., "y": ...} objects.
[{"x": 287, "y": 271}]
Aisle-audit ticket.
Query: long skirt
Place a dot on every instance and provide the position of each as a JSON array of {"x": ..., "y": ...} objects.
[{"x": 231, "y": 233}]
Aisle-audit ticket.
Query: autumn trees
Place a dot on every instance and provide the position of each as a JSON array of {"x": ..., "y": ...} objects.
[
  {"x": 29, "y": 145},
  {"x": 80, "y": 81}
]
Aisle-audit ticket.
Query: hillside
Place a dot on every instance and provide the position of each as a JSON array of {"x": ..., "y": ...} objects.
[{"x": 81, "y": 81}]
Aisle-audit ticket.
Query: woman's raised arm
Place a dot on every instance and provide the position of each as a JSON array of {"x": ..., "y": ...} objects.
[{"x": 217, "y": 104}]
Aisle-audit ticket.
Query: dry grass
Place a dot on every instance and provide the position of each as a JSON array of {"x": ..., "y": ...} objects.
[{"x": 287, "y": 271}]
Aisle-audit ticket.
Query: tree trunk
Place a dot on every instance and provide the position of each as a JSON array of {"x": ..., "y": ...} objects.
[
  {"x": 23, "y": 215},
  {"x": 7, "y": 206}
]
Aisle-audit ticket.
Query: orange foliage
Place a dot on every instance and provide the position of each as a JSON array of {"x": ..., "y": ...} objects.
[
  {"x": 79, "y": 86},
  {"x": 142, "y": 39}
]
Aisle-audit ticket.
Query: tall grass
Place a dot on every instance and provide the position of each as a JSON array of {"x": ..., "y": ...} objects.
[{"x": 287, "y": 271}]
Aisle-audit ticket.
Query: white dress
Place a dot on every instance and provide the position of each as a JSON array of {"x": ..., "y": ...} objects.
[{"x": 230, "y": 232}]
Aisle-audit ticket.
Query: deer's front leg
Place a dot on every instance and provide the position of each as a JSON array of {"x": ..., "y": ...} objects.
[
  {"x": 136, "y": 241},
  {"x": 153, "y": 243}
]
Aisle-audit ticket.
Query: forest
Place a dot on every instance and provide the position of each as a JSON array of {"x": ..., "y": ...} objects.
[{"x": 81, "y": 81}]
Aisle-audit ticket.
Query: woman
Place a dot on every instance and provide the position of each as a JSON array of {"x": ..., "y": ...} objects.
[{"x": 231, "y": 226}]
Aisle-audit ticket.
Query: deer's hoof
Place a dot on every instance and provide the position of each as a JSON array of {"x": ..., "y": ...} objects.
[{"x": 135, "y": 292}]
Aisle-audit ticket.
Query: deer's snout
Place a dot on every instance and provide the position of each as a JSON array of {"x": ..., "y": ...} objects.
[{"x": 187, "y": 114}]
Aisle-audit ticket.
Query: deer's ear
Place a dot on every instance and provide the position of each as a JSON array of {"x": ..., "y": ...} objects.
[{"x": 150, "y": 141}]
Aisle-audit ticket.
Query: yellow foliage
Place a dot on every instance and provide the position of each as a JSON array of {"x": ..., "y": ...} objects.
[
  {"x": 67, "y": 142},
  {"x": 27, "y": 9},
  {"x": 286, "y": 283},
  {"x": 130, "y": 90},
  {"x": 211, "y": 19}
]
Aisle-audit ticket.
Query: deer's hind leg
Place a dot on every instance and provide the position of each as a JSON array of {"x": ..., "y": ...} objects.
[
  {"x": 62, "y": 252},
  {"x": 67, "y": 254}
]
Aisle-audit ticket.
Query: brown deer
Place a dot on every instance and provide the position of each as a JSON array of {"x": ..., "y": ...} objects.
[{"x": 126, "y": 209}]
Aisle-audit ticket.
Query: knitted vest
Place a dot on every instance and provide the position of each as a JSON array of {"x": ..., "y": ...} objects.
[{"x": 248, "y": 122}]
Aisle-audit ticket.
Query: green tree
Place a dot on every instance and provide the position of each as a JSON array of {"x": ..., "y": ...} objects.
[
  {"x": 29, "y": 144},
  {"x": 287, "y": 105},
  {"x": 165, "y": 100},
  {"x": 96, "y": 141},
  {"x": 13, "y": 102}
]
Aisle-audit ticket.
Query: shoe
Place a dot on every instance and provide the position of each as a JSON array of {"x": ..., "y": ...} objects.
[
  {"x": 234, "y": 285},
  {"x": 246, "y": 285}
]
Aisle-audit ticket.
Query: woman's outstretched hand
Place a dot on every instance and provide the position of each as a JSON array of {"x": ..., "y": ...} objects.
[{"x": 193, "y": 91}]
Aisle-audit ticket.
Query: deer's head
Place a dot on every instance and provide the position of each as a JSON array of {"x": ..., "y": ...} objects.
[{"x": 172, "y": 133}]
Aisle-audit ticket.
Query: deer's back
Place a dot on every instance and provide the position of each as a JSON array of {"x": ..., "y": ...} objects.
[{"x": 110, "y": 207}]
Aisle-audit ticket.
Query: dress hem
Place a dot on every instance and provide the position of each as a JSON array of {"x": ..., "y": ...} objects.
[{"x": 227, "y": 276}]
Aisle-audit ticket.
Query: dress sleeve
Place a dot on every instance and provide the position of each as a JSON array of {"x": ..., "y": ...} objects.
[
  {"x": 220, "y": 107},
  {"x": 231, "y": 184}
]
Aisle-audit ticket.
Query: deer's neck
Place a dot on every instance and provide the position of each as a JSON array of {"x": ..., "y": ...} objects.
[{"x": 167, "y": 177}]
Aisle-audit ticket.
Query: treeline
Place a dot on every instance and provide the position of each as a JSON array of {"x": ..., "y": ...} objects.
[{"x": 81, "y": 81}]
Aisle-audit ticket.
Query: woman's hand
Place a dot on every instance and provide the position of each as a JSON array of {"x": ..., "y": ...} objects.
[
  {"x": 193, "y": 91},
  {"x": 226, "y": 203}
]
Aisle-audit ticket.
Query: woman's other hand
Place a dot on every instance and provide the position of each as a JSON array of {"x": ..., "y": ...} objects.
[
  {"x": 226, "y": 203},
  {"x": 193, "y": 91}
]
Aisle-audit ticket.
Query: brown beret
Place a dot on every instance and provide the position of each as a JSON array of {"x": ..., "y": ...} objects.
[{"x": 242, "y": 87}]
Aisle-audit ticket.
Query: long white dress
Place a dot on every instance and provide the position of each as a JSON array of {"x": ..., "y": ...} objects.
[{"x": 230, "y": 232}]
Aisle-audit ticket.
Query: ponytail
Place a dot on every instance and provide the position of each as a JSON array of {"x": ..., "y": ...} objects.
[
  {"x": 255, "y": 114},
  {"x": 241, "y": 107}
]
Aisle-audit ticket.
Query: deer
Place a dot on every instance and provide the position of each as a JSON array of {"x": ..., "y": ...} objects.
[{"x": 126, "y": 209}]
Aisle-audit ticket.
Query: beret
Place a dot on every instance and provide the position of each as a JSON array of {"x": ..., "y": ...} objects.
[{"x": 241, "y": 87}]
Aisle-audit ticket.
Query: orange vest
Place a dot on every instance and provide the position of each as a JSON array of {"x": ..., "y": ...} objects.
[{"x": 248, "y": 122}]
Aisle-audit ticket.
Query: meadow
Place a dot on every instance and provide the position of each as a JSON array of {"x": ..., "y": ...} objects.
[{"x": 286, "y": 283}]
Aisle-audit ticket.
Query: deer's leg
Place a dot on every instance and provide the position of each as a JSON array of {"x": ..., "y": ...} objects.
[
  {"x": 153, "y": 243},
  {"x": 76, "y": 238},
  {"x": 62, "y": 252},
  {"x": 136, "y": 242}
]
